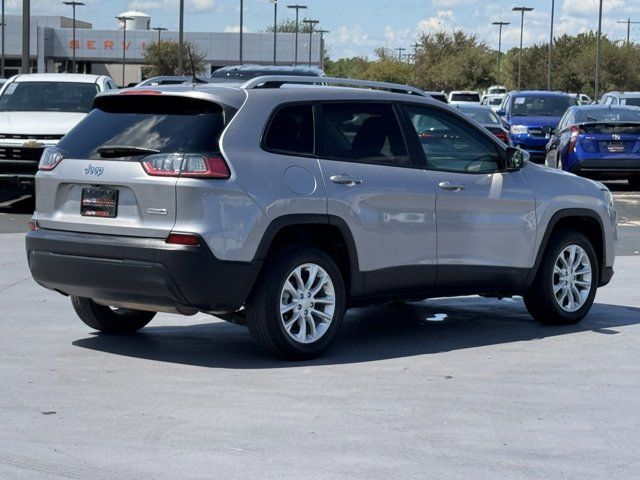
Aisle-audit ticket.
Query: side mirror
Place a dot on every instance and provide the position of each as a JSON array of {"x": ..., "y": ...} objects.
[
  {"x": 516, "y": 158},
  {"x": 501, "y": 113}
]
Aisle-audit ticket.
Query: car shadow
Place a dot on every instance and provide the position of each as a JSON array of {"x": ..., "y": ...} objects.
[
  {"x": 368, "y": 334},
  {"x": 617, "y": 186}
]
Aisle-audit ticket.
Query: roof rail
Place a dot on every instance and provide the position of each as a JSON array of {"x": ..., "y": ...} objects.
[{"x": 275, "y": 81}]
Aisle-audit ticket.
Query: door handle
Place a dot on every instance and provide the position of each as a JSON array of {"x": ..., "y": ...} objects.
[
  {"x": 344, "y": 179},
  {"x": 451, "y": 186}
]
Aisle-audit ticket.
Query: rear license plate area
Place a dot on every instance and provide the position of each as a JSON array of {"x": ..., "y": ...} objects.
[
  {"x": 615, "y": 147},
  {"x": 99, "y": 202}
]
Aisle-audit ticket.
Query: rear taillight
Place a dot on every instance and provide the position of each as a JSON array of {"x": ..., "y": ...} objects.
[
  {"x": 50, "y": 159},
  {"x": 186, "y": 165},
  {"x": 503, "y": 136},
  {"x": 575, "y": 131},
  {"x": 33, "y": 226},
  {"x": 183, "y": 239}
]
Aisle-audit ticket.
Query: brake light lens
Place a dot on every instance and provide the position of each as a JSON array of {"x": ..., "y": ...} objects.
[
  {"x": 575, "y": 131},
  {"x": 183, "y": 239},
  {"x": 140, "y": 92},
  {"x": 502, "y": 135},
  {"x": 33, "y": 226},
  {"x": 186, "y": 165},
  {"x": 50, "y": 159}
]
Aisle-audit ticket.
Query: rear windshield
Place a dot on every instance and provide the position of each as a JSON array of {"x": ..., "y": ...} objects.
[
  {"x": 48, "y": 97},
  {"x": 608, "y": 115},
  {"x": 541, "y": 106},
  {"x": 484, "y": 117},
  {"x": 495, "y": 101},
  {"x": 171, "y": 124},
  {"x": 465, "y": 97},
  {"x": 247, "y": 74}
]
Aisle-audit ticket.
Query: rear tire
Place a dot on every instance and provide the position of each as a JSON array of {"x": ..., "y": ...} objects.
[
  {"x": 297, "y": 305},
  {"x": 565, "y": 286},
  {"x": 107, "y": 320}
]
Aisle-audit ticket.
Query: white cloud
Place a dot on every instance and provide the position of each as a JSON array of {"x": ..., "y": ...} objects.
[{"x": 443, "y": 20}]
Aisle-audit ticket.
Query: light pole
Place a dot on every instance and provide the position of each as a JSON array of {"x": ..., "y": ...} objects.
[
  {"x": 522, "y": 10},
  {"x": 400, "y": 50},
  {"x": 26, "y": 35},
  {"x": 597, "y": 86},
  {"x": 311, "y": 23},
  {"x": 415, "y": 47},
  {"x": 629, "y": 23},
  {"x": 124, "y": 44},
  {"x": 500, "y": 25},
  {"x": 73, "y": 7},
  {"x": 181, "y": 40},
  {"x": 297, "y": 9},
  {"x": 241, "y": 27},
  {"x": 553, "y": 8},
  {"x": 322, "y": 32},
  {"x": 2, "y": 61},
  {"x": 275, "y": 28},
  {"x": 159, "y": 30}
]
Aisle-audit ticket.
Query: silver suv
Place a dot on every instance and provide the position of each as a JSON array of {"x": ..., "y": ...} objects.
[{"x": 281, "y": 208}]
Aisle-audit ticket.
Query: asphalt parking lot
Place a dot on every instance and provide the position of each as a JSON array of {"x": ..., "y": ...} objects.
[{"x": 464, "y": 388}]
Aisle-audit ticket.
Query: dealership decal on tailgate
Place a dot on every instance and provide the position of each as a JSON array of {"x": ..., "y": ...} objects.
[{"x": 99, "y": 202}]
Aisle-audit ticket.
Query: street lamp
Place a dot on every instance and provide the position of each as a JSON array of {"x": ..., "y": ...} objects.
[
  {"x": 500, "y": 25},
  {"x": 2, "y": 61},
  {"x": 159, "y": 30},
  {"x": 522, "y": 10},
  {"x": 73, "y": 7},
  {"x": 275, "y": 28},
  {"x": 311, "y": 23},
  {"x": 241, "y": 27},
  {"x": 322, "y": 32},
  {"x": 26, "y": 35},
  {"x": 297, "y": 9},
  {"x": 124, "y": 19},
  {"x": 597, "y": 86},
  {"x": 553, "y": 7},
  {"x": 181, "y": 40}
]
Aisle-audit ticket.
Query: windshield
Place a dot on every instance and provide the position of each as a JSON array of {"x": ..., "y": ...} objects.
[
  {"x": 482, "y": 116},
  {"x": 634, "y": 102},
  {"x": 169, "y": 125},
  {"x": 607, "y": 115},
  {"x": 495, "y": 101},
  {"x": 48, "y": 97},
  {"x": 465, "y": 97},
  {"x": 541, "y": 106}
]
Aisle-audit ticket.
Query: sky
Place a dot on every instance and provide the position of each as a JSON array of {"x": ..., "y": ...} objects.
[{"x": 357, "y": 27}]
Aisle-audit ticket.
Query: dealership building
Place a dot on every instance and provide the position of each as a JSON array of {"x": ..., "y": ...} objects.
[{"x": 101, "y": 51}]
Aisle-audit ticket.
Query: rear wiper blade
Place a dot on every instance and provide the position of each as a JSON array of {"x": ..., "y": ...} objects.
[{"x": 115, "y": 151}]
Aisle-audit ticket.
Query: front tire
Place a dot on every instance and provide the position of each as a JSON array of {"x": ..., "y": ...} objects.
[
  {"x": 297, "y": 306},
  {"x": 108, "y": 320},
  {"x": 565, "y": 286}
]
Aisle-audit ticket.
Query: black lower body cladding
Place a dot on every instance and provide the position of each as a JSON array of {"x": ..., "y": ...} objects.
[{"x": 144, "y": 271}]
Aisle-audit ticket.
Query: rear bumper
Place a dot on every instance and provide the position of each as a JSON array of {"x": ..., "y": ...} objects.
[
  {"x": 147, "y": 272},
  {"x": 607, "y": 167}
]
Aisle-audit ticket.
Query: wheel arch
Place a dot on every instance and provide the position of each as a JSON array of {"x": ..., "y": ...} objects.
[
  {"x": 330, "y": 233},
  {"x": 587, "y": 222}
]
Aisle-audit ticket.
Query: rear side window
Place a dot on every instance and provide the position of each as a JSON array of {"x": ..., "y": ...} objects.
[
  {"x": 291, "y": 131},
  {"x": 168, "y": 125},
  {"x": 361, "y": 132}
]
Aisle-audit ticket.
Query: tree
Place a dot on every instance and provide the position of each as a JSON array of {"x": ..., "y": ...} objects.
[
  {"x": 289, "y": 26},
  {"x": 346, "y": 67},
  {"x": 162, "y": 59},
  {"x": 449, "y": 61}
]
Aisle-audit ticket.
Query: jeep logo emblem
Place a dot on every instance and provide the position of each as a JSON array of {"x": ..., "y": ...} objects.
[{"x": 96, "y": 171}]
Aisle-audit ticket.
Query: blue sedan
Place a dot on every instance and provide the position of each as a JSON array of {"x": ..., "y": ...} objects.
[{"x": 599, "y": 142}]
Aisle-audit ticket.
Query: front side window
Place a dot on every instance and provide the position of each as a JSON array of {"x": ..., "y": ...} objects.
[
  {"x": 291, "y": 130},
  {"x": 362, "y": 132},
  {"x": 48, "y": 97},
  {"x": 450, "y": 144}
]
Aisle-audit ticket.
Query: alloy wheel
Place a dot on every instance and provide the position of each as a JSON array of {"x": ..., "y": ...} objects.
[{"x": 572, "y": 278}]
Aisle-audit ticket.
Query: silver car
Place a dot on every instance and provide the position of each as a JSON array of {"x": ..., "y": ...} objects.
[{"x": 280, "y": 208}]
